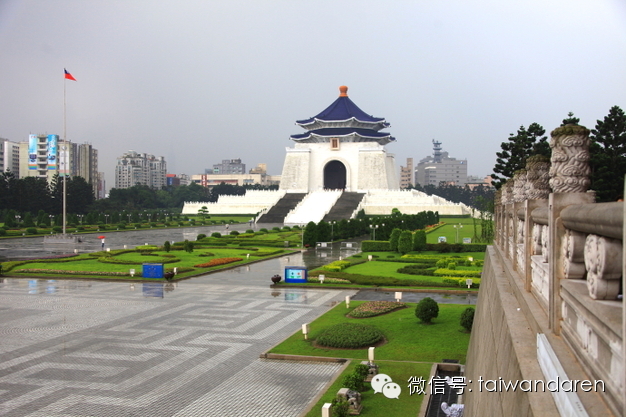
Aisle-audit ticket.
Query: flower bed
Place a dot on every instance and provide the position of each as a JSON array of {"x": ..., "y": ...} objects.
[
  {"x": 218, "y": 261},
  {"x": 375, "y": 308},
  {"x": 349, "y": 336}
]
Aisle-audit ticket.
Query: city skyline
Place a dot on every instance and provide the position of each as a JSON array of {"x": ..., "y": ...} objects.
[{"x": 200, "y": 82}]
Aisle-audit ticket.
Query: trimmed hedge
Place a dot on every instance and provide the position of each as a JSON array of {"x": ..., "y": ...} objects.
[
  {"x": 417, "y": 270},
  {"x": 350, "y": 336},
  {"x": 380, "y": 281},
  {"x": 375, "y": 246},
  {"x": 445, "y": 272},
  {"x": 461, "y": 282}
]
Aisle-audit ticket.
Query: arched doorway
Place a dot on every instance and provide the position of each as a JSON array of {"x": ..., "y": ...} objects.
[{"x": 334, "y": 176}]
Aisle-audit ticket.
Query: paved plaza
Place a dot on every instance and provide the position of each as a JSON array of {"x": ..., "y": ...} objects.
[{"x": 115, "y": 349}]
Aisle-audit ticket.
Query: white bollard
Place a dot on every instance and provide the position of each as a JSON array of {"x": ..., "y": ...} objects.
[
  {"x": 370, "y": 354},
  {"x": 132, "y": 272},
  {"x": 125, "y": 246},
  {"x": 469, "y": 283},
  {"x": 398, "y": 296},
  {"x": 322, "y": 278},
  {"x": 369, "y": 257},
  {"x": 305, "y": 330},
  {"x": 327, "y": 410},
  {"x": 108, "y": 249},
  {"x": 347, "y": 301}
]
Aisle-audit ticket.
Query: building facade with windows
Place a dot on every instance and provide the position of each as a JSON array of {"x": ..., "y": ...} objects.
[
  {"x": 227, "y": 167},
  {"x": 406, "y": 174},
  {"x": 9, "y": 156},
  {"x": 135, "y": 168},
  {"x": 441, "y": 168}
]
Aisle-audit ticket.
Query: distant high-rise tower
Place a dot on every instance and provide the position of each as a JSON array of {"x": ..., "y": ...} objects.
[
  {"x": 406, "y": 174},
  {"x": 440, "y": 168},
  {"x": 140, "y": 169}
]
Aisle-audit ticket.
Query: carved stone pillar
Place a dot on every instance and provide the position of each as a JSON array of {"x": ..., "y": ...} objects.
[
  {"x": 519, "y": 186},
  {"x": 537, "y": 177},
  {"x": 569, "y": 172}
]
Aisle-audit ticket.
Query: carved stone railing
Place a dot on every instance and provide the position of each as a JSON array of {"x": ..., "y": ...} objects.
[{"x": 568, "y": 253}]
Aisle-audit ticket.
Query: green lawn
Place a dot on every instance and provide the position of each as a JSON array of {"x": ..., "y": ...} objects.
[
  {"x": 408, "y": 339},
  {"x": 450, "y": 232},
  {"x": 86, "y": 263},
  {"x": 377, "y": 404}
]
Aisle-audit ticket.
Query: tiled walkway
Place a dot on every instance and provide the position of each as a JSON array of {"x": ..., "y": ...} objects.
[{"x": 85, "y": 348}]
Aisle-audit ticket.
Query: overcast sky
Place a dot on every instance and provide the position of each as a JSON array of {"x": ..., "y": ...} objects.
[{"x": 201, "y": 81}]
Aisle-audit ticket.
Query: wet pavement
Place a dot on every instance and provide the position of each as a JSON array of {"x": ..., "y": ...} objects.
[{"x": 189, "y": 348}]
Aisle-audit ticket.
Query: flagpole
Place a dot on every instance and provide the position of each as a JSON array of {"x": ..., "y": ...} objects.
[{"x": 65, "y": 154}]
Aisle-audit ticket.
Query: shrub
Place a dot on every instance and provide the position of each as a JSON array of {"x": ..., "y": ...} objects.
[
  {"x": 350, "y": 336},
  {"x": 250, "y": 231},
  {"x": 340, "y": 407},
  {"x": 452, "y": 266},
  {"x": 31, "y": 230},
  {"x": 188, "y": 246},
  {"x": 3, "y": 231},
  {"x": 353, "y": 382},
  {"x": 418, "y": 269},
  {"x": 394, "y": 238},
  {"x": 167, "y": 246},
  {"x": 362, "y": 370},
  {"x": 216, "y": 234},
  {"x": 426, "y": 310},
  {"x": 276, "y": 229},
  {"x": 405, "y": 242},
  {"x": 286, "y": 228},
  {"x": 200, "y": 236},
  {"x": 467, "y": 319},
  {"x": 375, "y": 246},
  {"x": 263, "y": 230},
  {"x": 234, "y": 233},
  {"x": 444, "y": 272},
  {"x": 419, "y": 241},
  {"x": 57, "y": 229}
]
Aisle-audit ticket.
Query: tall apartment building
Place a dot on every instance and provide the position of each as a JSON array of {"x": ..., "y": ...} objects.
[
  {"x": 406, "y": 174},
  {"x": 439, "y": 168},
  {"x": 9, "y": 156},
  {"x": 44, "y": 156},
  {"x": 228, "y": 166},
  {"x": 140, "y": 169}
]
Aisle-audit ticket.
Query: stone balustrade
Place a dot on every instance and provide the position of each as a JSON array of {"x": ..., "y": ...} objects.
[{"x": 567, "y": 252}]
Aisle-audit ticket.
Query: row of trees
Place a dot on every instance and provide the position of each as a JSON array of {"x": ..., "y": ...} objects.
[
  {"x": 478, "y": 197},
  {"x": 381, "y": 226},
  {"x": 607, "y": 153},
  {"x": 32, "y": 194}
]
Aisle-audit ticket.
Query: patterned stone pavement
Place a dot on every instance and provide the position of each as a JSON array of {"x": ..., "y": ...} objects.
[{"x": 86, "y": 348}]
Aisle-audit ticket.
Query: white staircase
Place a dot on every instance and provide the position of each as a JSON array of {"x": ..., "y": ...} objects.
[{"x": 313, "y": 207}]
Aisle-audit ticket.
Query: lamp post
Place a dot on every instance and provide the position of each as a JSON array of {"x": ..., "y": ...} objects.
[
  {"x": 302, "y": 236},
  {"x": 332, "y": 231},
  {"x": 80, "y": 216},
  {"x": 51, "y": 219},
  {"x": 457, "y": 227},
  {"x": 106, "y": 219},
  {"x": 374, "y": 227},
  {"x": 17, "y": 218}
]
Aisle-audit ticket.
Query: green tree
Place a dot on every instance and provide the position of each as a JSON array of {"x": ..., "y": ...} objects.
[
  {"x": 467, "y": 319},
  {"x": 570, "y": 120},
  {"x": 393, "y": 239},
  {"x": 608, "y": 156},
  {"x": 310, "y": 234},
  {"x": 426, "y": 310},
  {"x": 520, "y": 146},
  {"x": 405, "y": 242},
  {"x": 323, "y": 231},
  {"x": 419, "y": 241},
  {"x": 203, "y": 212},
  {"x": 167, "y": 246}
]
